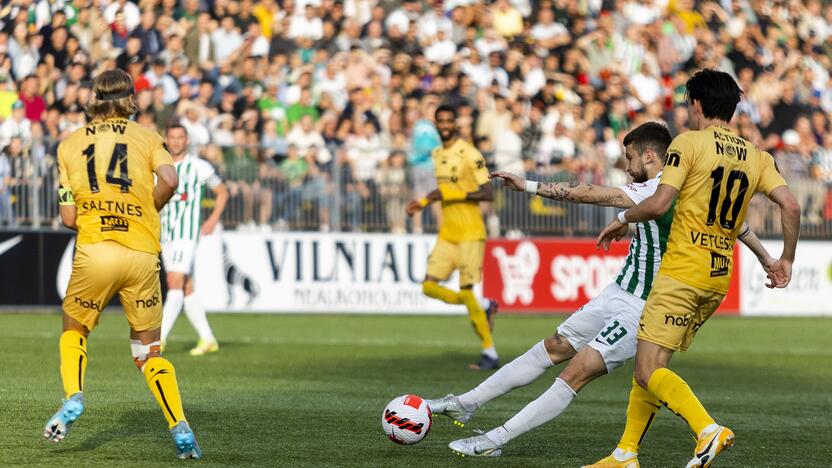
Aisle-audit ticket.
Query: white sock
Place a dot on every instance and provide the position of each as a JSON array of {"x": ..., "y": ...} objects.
[
  {"x": 196, "y": 314},
  {"x": 623, "y": 455},
  {"x": 491, "y": 352},
  {"x": 521, "y": 371},
  {"x": 173, "y": 304},
  {"x": 708, "y": 430},
  {"x": 547, "y": 407}
]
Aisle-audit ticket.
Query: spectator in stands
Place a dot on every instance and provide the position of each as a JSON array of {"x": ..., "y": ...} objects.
[
  {"x": 293, "y": 171},
  {"x": 16, "y": 125},
  {"x": 391, "y": 180},
  {"x": 592, "y": 68},
  {"x": 243, "y": 173},
  {"x": 5, "y": 192},
  {"x": 19, "y": 184},
  {"x": 798, "y": 170}
]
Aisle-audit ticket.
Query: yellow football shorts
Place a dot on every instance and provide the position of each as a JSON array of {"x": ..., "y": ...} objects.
[
  {"x": 104, "y": 268},
  {"x": 674, "y": 312},
  {"x": 464, "y": 256}
]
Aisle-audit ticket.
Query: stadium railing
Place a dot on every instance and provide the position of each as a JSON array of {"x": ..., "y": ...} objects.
[{"x": 271, "y": 193}]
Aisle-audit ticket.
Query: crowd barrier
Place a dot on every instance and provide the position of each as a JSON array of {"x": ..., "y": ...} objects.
[
  {"x": 338, "y": 197},
  {"x": 294, "y": 272}
]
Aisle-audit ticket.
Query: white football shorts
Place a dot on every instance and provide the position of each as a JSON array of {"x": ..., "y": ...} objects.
[
  {"x": 178, "y": 256},
  {"x": 608, "y": 324}
]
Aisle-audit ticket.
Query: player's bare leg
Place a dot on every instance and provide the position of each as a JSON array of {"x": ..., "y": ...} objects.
[
  {"x": 161, "y": 379},
  {"x": 73, "y": 352},
  {"x": 585, "y": 367},
  {"x": 196, "y": 315},
  {"x": 653, "y": 374}
]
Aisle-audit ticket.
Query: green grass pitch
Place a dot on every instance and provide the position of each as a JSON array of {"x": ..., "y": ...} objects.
[{"x": 296, "y": 390}]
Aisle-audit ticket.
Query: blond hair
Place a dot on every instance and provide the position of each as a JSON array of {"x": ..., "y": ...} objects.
[{"x": 112, "y": 96}]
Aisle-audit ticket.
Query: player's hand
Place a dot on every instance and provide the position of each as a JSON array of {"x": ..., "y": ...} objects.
[
  {"x": 615, "y": 230},
  {"x": 779, "y": 274},
  {"x": 510, "y": 180},
  {"x": 413, "y": 207},
  {"x": 208, "y": 226}
]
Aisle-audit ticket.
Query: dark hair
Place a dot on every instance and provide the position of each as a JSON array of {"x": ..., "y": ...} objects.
[
  {"x": 175, "y": 123},
  {"x": 649, "y": 135},
  {"x": 716, "y": 91},
  {"x": 445, "y": 108}
]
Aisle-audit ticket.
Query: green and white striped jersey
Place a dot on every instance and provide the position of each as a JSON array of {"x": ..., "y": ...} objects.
[
  {"x": 647, "y": 246},
  {"x": 181, "y": 217}
]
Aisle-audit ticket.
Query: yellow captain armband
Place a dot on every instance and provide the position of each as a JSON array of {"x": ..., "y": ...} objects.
[
  {"x": 65, "y": 197},
  {"x": 424, "y": 202},
  {"x": 452, "y": 194}
]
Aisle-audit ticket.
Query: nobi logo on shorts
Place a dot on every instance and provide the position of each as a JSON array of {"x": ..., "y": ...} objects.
[
  {"x": 145, "y": 303},
  {"x": 88, "y": 304},
  {"x": 680, "y": 322}
]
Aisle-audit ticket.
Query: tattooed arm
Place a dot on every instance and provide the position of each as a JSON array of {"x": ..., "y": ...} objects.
[
  {"x": 585, "y": 193},
  {"x": 573, "y": 192}
]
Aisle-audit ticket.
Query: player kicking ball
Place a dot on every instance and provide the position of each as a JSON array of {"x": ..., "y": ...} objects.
[
  {"x": 107, "y": 194},
  {"x": 181, "y": 228},
  {"x": 600, "y": 336}
]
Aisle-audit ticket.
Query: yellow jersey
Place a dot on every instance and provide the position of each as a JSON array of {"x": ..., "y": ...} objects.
[
  {"x": 108, "y": 165},
  {"x": 460, "y": 167},
  {"x": 716, "y": 173}
]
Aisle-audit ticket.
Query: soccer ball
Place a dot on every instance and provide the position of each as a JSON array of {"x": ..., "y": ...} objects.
[{"x": 406, "y": 420}]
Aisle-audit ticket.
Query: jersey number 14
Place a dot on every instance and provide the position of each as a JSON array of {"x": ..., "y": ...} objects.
[{"x": 117, "y": 159}]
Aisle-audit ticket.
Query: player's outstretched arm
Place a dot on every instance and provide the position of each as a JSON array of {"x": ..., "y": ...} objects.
[
  {"x": 574, "y": 192},
  {"x": 790, "y": 219},
  {"x": 750, "y": 239},
  {"x": 166, "y": 183}
]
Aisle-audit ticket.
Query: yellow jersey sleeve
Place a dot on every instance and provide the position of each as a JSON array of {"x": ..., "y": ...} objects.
[
  {"x": 159, "y": 154},
  {"x": 770, "y": 177},
  {"x": 678, "y": 161},
  {"x": 63, "y": 176},
  {"x": 477, "y": 162}
]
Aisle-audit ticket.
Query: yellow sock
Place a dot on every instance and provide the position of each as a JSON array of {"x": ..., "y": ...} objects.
[
  {"x": 73, "y": 349},
  {"x": 641, "y": 411},
  {"x": 161, "y": 378},
  {"x": 675, "y": 393},
  {"x": 434, "y": 290},
  {"x": 478, "y": 318}
]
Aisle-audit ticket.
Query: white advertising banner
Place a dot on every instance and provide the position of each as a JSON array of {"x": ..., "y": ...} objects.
[
  {"x": 808, "y": 294},
  {"x": 316, "y": 272}
]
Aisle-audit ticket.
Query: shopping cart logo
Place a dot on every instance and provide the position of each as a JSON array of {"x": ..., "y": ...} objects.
[{"x": 518, "y": 272}]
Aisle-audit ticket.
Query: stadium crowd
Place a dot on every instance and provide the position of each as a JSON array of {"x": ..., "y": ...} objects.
[{"x": 308, "y": 107}]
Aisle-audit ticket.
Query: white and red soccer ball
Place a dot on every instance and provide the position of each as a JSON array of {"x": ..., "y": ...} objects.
[{"x": 406, "y": 420}]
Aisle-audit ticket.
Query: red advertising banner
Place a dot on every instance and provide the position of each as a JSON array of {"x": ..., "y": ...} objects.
[{"x": 545, "y": 275}]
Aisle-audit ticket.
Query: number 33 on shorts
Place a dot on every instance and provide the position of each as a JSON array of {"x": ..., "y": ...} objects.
[{"x": 614, "y": 332}]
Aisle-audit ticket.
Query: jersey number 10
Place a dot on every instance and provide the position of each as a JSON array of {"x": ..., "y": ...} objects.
[
  {"x": 118, "y": 158},
  {"x": 728, "y": 205}
]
